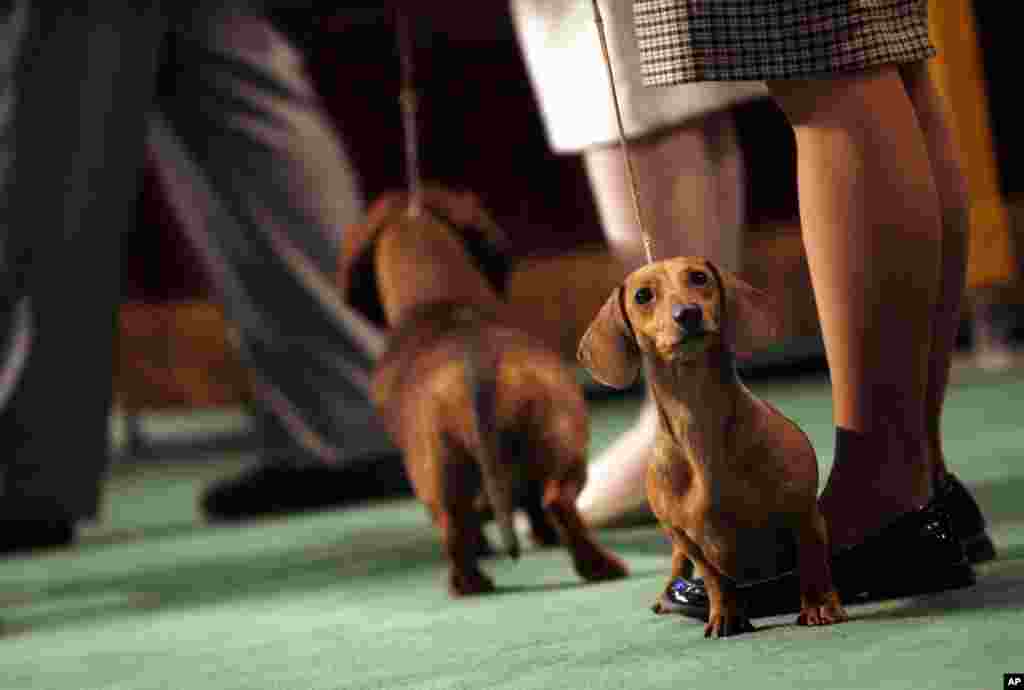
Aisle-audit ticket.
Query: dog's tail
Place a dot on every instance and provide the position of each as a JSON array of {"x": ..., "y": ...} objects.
[{"x": 481, "y": 373}]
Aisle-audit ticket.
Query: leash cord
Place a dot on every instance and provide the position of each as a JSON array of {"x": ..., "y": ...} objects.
[
  {"x": 630, "y": 173},
  {"x": 409, "y": 101}
]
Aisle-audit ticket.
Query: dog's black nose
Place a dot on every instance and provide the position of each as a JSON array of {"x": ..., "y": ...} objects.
[{"x": 690, "y": 317}]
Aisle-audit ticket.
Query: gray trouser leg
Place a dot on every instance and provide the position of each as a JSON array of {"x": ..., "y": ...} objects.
[
  {"x": 75, "y": 84},
  {"x": 265, "y": 190}
]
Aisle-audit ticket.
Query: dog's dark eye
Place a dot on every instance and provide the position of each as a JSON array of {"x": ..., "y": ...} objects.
[
  {"x": 698, "y": 278},
  {"x": 643, "y": 295}
]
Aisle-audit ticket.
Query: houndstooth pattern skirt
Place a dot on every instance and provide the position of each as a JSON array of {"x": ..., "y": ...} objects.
[{"x": 684, "y": 41}]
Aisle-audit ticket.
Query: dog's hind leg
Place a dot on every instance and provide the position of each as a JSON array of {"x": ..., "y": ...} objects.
[
  {"x": 483, "y": 547},
  {"x": 463, "y": 550},
  {"x": 461, "y": 530},
  {"x": 541, "y": 529},
  {"x": 464, "y": 576},
  {"x": 591, "y": 560}
]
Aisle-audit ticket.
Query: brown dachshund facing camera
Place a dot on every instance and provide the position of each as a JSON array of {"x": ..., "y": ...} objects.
[
  {"x": 731, "y": 480},
  {"x": 488, "y": 418}
]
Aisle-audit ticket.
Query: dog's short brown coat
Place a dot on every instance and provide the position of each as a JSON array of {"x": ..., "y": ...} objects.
[
  {"x": 729, "y": 474},
  {"x": 488, "y": 418}
]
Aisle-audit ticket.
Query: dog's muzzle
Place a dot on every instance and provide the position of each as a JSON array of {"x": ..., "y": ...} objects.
[{"x": 690, "y": 319}]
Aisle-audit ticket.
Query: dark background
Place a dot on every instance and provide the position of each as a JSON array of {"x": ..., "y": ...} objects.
[{"x": 479, "y": 128}]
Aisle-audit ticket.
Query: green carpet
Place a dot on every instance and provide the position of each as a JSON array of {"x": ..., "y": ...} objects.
[{"x": 153, "y": 598}]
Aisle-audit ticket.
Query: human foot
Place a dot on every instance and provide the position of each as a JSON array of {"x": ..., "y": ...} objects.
[
  {"x": 876, "y": 478},
  {"x": 21, "y": 536}
]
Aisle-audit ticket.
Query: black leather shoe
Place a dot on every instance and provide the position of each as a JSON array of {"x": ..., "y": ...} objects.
[
  {"x": 277, "y": 488},
  {"x": 968, "y": 523},
  {"x": 26, "y": 536},
  {"x": 686, "y": 597},
  {"x": 921, "y": 550},
  {"x": 927, "y": 557}
]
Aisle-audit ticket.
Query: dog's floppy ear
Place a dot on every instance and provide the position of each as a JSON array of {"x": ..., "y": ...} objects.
[
  {"x": 752, "y": 317},
  {"x": 608, "y": 349}
]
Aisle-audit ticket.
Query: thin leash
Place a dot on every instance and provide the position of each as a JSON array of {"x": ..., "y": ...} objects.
[
  {"x": 409, "y": 100},
  {"x": 623, "y": 144}
]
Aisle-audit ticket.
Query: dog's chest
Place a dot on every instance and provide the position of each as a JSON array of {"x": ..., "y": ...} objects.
[
  {"x": 735, "y": 498},
  {"x": 748, "y": 553}
]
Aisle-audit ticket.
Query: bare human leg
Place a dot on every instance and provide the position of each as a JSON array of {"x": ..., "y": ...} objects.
[
  {"x": 872, "y": 228},
  {"x": 953, "y": 201}
]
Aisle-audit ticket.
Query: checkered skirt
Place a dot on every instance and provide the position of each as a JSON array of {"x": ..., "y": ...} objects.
[{"x": 740, "y": 40}]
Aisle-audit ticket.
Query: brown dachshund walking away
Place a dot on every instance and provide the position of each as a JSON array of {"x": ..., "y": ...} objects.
[{"x": 489, "y": 419}]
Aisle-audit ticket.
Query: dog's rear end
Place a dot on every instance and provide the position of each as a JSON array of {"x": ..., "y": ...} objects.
[{"x": 483, "y": 411}]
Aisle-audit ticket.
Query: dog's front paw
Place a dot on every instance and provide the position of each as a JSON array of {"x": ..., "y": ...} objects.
[
  {"x": 727, "y": 625},
  {"x": 468, "y": 582},
  {"x": 824, "y": 613}
]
